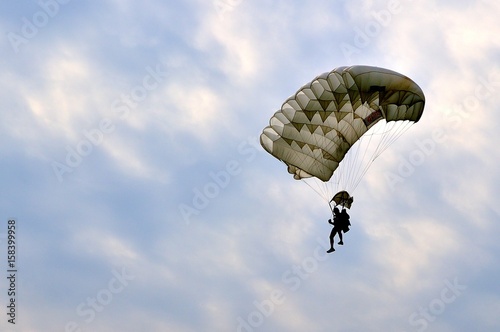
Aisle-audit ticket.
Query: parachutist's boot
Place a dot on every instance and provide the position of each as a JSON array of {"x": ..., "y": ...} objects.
[
  {"x": 330, "y": 250},
  {"x": 341, "y": 243}
]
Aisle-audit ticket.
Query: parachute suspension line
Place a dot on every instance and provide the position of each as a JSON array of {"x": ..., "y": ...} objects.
[
  {"x": 383, "y": 143},
  {"x": 356, "y": 164},
  {"x": 359, "y": 165},
  {"x": 397, "y": 128},
  {"x": 363, "y": 164},
  {"x": 348, "y": 163},
  {"x": 322, "y": 193},
  {"x": 403, "y": 128},
  {"x": 349, "y": 168},
  {"x": 357, "y": 161},
  {"x": 389, "y": 136},
  {"x": 353, "y": 163},
  {"x": 367, "y": 149},
  {"x": 364, "y": 169}
]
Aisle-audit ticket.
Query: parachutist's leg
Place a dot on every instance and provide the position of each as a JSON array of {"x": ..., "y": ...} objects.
[
  {"x": 340, "y": 236},
  {"x": 332, "y": 235}
]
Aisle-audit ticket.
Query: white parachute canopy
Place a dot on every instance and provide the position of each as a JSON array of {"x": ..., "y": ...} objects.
[{"x": 337, "y": 124}]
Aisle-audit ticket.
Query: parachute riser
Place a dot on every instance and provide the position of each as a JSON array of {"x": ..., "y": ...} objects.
[{"x": 331, "y": 208}]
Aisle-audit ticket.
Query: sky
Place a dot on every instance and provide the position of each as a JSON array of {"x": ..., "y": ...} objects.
[{"x": 141, "y": 199}]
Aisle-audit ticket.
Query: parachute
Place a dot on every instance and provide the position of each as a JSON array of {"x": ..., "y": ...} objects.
[
  {"x": 342, "y": 198},
  {"x": 335, "y": 126}
]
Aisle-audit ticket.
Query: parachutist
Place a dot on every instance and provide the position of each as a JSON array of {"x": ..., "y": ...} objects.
[{"x": 340, "y": 224}]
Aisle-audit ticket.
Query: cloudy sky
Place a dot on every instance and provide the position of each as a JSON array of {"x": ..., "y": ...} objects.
[{"x": 143, "y": 201}]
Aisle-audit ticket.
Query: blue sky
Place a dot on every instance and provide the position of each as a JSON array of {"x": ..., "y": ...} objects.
[{"x": 143, "y": 200}]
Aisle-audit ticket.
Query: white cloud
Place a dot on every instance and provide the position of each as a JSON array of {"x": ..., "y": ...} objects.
[
  {"x": 240, "y": 54},
  {"x": 99, "y": 243},
  {"x": 129, "y": 157},
  {"x": 407, "y": 248},
  {"x": 58, "y": 94},
  {"x": 196, "y": 109}
]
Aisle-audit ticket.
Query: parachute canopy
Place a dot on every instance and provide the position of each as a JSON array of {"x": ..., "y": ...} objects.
[{"x": 316, "y": 127}]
